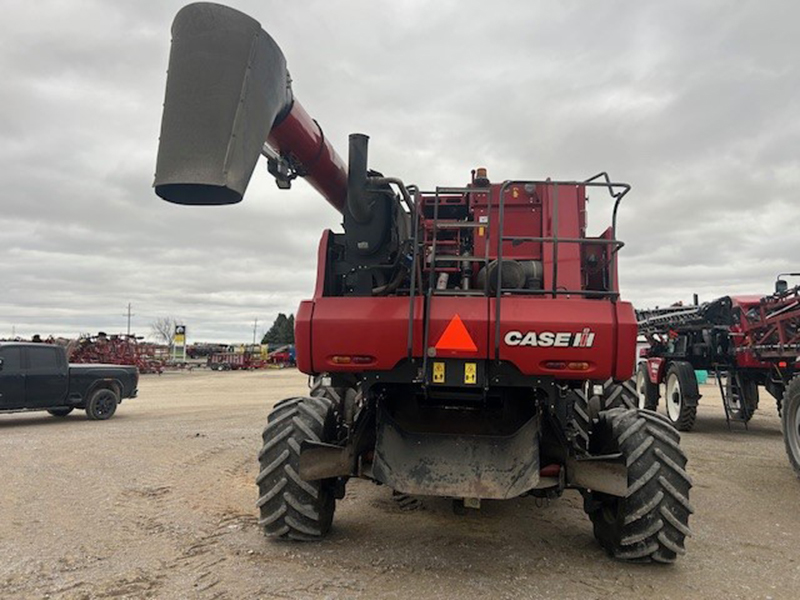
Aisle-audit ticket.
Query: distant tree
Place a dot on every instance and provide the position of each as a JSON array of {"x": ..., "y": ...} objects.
[
  {"x": 281, "y": 332},
  {"x": 163, "y": 330}
]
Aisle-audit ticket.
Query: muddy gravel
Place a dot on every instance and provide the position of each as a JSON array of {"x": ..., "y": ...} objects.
[{"x": 159, "y": 503}]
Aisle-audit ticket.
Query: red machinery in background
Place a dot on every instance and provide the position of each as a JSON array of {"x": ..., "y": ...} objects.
[
  {"x": 467, "y": 342},
  {"x": 745, "y": 341},
  {"x": 115, "y": 349}
]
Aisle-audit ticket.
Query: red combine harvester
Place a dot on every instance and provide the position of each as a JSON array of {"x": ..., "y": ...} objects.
[
  {"x": 466, "y": 342},
  {"x": 745, "y": 341}
]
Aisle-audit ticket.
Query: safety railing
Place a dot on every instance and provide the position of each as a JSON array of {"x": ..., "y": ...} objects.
[{"x": 616, "y": 190}]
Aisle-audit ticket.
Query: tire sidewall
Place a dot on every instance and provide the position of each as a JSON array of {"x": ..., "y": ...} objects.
[
  {"x": 641, "y": 386},
  {"x": 100, "y": 407},
  {"x": 790, "y": 422},
  {"x": 674, "y": 390}
]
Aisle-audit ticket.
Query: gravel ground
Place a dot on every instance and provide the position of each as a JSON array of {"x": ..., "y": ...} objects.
[{"x": 159, "y": 502}]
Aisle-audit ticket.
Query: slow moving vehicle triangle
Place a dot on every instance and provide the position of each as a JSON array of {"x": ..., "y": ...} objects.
[{"x": 456, "y": 337}]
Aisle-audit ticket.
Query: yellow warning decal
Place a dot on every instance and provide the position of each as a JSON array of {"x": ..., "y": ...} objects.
[
  {"x": 471, "y": 373},
  {"x": 438, "y": 372}
]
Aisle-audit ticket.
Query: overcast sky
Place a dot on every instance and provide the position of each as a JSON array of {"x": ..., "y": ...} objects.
[{"x": 696, "y": 104}]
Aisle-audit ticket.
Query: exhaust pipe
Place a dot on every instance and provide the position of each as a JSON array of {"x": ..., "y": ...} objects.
[{"x": 228, "y": 92}]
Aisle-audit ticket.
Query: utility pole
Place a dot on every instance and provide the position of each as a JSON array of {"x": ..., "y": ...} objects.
[
  {"x": 255, "y": 327},
  {"x": 129, "y": 317}
]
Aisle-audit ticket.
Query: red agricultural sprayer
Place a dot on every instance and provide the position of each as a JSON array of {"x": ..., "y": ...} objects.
[
  {"x": 465, "y": 341},
  {"x": 745, "y": 341}
]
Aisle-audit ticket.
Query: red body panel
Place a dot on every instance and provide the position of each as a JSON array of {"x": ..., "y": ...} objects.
[
  {"x": 571, "y": 203},
  {"x": 378, "y": 328},
  {"x": 613, "y": 329},
  {"x": 302, "y": 336},
  {"x": 365, "y": 327}
]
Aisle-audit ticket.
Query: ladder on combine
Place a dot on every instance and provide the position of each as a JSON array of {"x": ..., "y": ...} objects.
[{"x": 449, "y": 261}]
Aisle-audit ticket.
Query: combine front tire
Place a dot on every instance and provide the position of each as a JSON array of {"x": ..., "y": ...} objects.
[
  {"x": 681, "y": 396},
  {"x": 651, "y": 522},
  {"x": 646, "y": 390},
  {"x": 289, "y": 507},
  {"x": 790, "y": 420}
]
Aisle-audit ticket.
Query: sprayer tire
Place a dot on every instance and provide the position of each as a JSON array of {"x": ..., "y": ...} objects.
[
  {"x": 790, "y": 422},
  {"x": 647, "y": 392},
  {"x": 681, "y": 395}
]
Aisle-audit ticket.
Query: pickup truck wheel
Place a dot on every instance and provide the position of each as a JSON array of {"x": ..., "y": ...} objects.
[
  {"x": 60, "y": 412},
  {"x": 102, "y": 405}
]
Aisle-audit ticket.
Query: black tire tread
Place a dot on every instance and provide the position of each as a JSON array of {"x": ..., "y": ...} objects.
[
  {"x": 651, "y": 391},
  {"x": 289, "y": 507},
  {"x": 791, "y": 404},
  {"x": 586, "y": 406},
  {"x": 653, "y": 520},
  {"x": 688, "y": 414}
]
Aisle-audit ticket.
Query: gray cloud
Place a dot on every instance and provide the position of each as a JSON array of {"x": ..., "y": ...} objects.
[{"x": 693, "y": 103}]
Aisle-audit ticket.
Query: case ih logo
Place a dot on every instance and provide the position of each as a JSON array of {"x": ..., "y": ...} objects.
[{"x": 555, "y": 339}]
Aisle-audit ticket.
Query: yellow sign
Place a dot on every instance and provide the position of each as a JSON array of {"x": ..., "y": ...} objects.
[
  {"x": 471, "y": 373},
  {"x": 438, "y": 372}
]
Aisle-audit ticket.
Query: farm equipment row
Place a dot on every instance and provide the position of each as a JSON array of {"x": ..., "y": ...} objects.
[
  {"x": 745, "y": 341},
  {"x": 115, "y": 349},
  {"x": 249, "y": 358}
]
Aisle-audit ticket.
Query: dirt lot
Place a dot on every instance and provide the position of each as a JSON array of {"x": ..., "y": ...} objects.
[{"x": 159, "y": 502}]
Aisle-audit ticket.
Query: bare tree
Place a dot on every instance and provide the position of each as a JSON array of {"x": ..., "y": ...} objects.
[{"x": 163, "y": 329}]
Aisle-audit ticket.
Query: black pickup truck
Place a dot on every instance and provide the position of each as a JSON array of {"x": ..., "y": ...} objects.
[{"x": 38, "y": 377}]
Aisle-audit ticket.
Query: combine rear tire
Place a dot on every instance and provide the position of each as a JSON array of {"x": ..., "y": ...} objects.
[
  {"x": 652, "y": 521},
  {"x": 60, "y": 412},
  {"x": 102, "y": 405},
  {"x": 681, "y": 395},
  {"x": 289, "y": 507},
  {"x": 646, "y": 391},
  {"x": 587, "y": 405},
  {"x": 790, "y": 420}
]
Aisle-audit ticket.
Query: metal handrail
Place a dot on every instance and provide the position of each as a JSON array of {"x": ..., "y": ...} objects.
[
  {"x": 605, "y": 181},
  {"x": 617, "y": 190}
]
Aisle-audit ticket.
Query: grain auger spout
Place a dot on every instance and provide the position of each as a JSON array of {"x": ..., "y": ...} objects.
[{"x": 228, "y": 101}]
